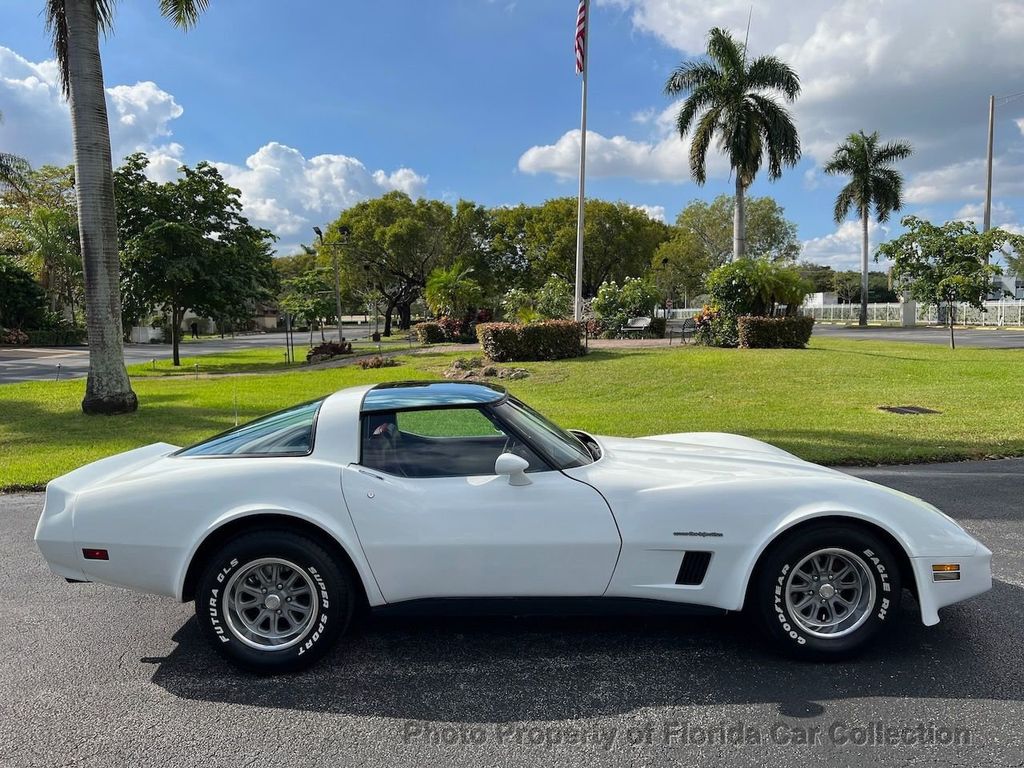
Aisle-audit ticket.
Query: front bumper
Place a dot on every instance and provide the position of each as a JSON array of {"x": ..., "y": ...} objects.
[{"x": 975, "y": 578}]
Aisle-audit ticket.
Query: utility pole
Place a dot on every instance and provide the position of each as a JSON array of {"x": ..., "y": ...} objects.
[
  {"x": 988, "y": 176},
  {"x": 344, "y": 231}
]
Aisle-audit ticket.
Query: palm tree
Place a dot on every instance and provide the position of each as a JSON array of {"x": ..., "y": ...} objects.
[
  {"x": 14, "y": 172},
  {"x": 873, "y": 182},
  {"x": 735, "y": 101},
  {"x": 75, "y": 26}
]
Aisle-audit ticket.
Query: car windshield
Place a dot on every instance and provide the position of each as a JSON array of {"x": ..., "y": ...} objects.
[
  {"x": 563, "y": 448},
  {"x": 285, "y": 433}
]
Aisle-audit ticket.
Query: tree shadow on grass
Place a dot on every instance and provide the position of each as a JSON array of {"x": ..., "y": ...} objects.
[{"x": 501, "y": 669}]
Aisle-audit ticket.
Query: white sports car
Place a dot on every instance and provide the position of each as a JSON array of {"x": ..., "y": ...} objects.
[{"x": 429, "y": 494}]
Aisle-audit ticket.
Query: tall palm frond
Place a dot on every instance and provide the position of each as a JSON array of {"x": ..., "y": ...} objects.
[{"x": 14, "y": 172}]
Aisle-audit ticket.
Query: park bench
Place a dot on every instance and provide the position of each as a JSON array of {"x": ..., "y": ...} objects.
[
  {"x": 636, "y": 326},
  {"x": 682, "y": 329}
]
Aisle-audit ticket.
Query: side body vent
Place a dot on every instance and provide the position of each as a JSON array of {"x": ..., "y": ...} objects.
[{"x": 693, "y": 568}]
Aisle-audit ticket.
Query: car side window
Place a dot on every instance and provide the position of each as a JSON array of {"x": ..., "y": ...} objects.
[{"x": 439, "y": 442}]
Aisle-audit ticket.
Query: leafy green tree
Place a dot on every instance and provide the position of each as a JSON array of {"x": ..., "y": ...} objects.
[
  {"x": 452, "y": 291},
  {"x": 309, "y": 297},
  {"x": 947, "y": 265},
  {"x": 75, "y": 26},
  {"x": 188, "y": 246},
  {"x": 39, "y": 226},
  {"x": 874, "y": 183},
  {"x": 769, "y": 234},
  {"x": 14, "y": 171},
  {"x": 680, "y": 266},
  {"x": 22, "y": 301},
  {"x": 393, "y": 245},
  {"x": 531, "y": 243},
  {"x": 736, "y": 102}
]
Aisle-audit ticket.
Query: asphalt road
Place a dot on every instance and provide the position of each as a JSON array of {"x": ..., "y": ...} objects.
[
  {"x": 40, "y": 363},
  {"x": 96, "y": 676},
  {"x": 985, "y": 338}
]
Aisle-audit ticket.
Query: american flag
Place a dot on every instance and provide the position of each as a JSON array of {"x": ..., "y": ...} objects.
[{"x": 581, "y": 37}]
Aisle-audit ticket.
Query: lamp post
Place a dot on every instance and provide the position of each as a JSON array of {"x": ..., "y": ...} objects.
[{"x": 344, "y": 232}]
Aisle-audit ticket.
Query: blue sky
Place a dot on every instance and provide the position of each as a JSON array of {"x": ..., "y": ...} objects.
[{"x": 311, "y": 106}]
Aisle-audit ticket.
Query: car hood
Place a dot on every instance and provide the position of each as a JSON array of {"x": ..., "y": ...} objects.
[{"x": 701, "y": 457}]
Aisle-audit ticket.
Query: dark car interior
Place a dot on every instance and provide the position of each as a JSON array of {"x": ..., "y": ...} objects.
[{"x": 389, "y": 449}]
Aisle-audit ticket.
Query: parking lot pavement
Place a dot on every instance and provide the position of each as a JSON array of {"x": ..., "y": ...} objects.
[
  {"x": 41, "y": 363},
  {"x": 96, "y": 676},
  {"x": 984, "y": 338}
]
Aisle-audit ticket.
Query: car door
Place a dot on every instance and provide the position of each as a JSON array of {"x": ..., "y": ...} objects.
[{"x": 434, "y": 520}]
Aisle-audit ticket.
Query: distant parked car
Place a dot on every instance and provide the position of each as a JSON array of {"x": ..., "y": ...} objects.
[{"x": 421, "y": 494}]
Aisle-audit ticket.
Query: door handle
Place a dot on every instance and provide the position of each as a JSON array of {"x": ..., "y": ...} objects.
[{"x": 370, "y": 474}]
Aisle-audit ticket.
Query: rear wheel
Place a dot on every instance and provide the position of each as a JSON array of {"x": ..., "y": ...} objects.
[
  {"x": 825, "y": 591},
  {"x": 273, "y": 601}
]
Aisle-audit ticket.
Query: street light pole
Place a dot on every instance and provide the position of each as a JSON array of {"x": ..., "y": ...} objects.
[
  {"x": 337, "y": 275},
  {"x": 988, "y": 177}
]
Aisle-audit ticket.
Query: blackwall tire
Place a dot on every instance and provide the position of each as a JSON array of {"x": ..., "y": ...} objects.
[
  {"x": 274, "y": 601},
  {"x": 825, "y": 591}
]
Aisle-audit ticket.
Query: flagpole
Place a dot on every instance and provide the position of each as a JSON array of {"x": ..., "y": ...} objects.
[{"x": 578, "y": 303}]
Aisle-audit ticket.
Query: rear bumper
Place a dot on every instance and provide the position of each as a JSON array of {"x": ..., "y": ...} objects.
[
  {"x": 55, "y": 535},
  {"x": 975, "y": 578}
]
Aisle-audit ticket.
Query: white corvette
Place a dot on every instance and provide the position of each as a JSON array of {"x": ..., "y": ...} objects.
[{"x": 415, "y": 494}]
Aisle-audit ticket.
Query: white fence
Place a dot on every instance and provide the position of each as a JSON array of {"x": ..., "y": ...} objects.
[
  {"x": 995, "y": 313},
  {"x": 677, "y": 314}
]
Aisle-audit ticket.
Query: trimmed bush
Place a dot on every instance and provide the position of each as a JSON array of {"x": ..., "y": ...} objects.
[
  {"x": 327, "y": 350},
  {"x": 378, "y": 361},
  {"x": 56, "y": 337},
  {"x": 548, "y": 340},
  {"x": 792, "y": 332},
  {"x": 430, "y": 333}
]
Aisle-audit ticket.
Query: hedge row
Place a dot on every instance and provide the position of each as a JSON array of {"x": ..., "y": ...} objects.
[
  {"x": 61, "y": 337},
  {"x": 791, "y": 332},
  {"x": 548, "y": 340}
]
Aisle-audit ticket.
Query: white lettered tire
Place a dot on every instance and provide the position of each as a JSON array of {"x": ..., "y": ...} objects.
[
  {"x": 273, "y": 601},
  {"x": 825, "y": 591}
]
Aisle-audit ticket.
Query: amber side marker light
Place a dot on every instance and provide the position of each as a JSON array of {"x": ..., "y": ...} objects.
[
  {"x": 95, "y": 554},
  {"x": 946, "y": 572}
]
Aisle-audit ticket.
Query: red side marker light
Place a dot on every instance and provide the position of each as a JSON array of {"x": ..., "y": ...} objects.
[{"x": 95, "y": 554}]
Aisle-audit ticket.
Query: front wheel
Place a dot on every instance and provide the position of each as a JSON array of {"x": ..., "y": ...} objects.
[
  {"x": 273, "y": 601},
  {"x": 825, "y": 591}
]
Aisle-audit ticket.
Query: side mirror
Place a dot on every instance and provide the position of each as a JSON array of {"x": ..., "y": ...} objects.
[{"x": 513, "y": 466}]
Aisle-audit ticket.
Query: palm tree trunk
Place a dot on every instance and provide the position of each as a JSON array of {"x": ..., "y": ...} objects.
[
  {"x": 864, "y": 269},
  {"x": 739, "y": 222},
  {"x": 107, "y": 389}
]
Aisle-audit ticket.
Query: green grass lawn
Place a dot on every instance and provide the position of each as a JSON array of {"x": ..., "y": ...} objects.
[
  {"x": 820, "y": 403},
  {"x": 240, "y": 361}
]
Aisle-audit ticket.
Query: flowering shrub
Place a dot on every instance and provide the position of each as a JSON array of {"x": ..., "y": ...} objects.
[
  {"x": 429, "y": 333},
  {"x": 715, "y": 328},
  {"x": 13, "y": 336},
  {"x": 455, "y": 329}
]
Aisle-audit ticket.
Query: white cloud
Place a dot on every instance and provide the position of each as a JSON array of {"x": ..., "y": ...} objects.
[
  {"x": 842, "y": 248},
  {"x": 966, "y": 180},
  {"x": 281, "y": 189},
  {"x": 916, "y": 69},
  {"x": 666, "y": 159},
  {"x": 654, "y": 212},
  {"x": 36, "y": 118},
  {"x": 287, "y": 193}
]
